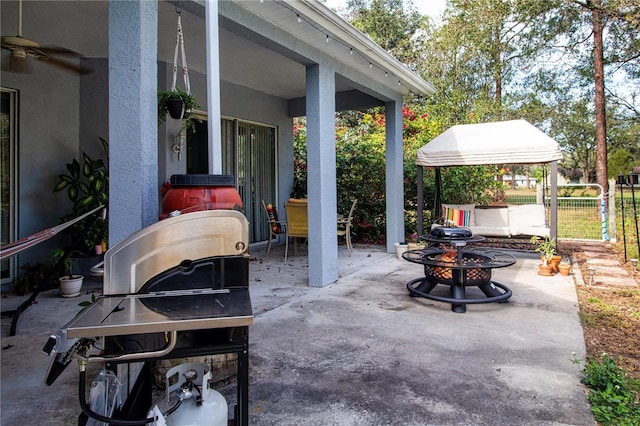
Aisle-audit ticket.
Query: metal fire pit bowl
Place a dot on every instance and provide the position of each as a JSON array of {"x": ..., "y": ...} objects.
[{"x": 467, "y": 268}]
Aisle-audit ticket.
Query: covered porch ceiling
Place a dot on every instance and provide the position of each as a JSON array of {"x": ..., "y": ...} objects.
[
  {"x": 247, "y": 58},
  {"x": 314, "y": 24}
]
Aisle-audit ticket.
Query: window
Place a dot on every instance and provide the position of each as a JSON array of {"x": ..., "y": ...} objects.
[{"x": 8, "y": 156}]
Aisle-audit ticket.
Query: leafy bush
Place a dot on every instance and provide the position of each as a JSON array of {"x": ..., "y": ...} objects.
[
  {"x": 361, "y": 166},
  {"x": 614, "y": 396}
]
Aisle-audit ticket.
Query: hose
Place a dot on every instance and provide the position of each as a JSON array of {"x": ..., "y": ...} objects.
[{"x": 88, "y": 412}]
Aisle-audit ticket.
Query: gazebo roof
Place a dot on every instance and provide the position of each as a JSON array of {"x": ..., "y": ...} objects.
[{"x": 502, "y": 142}]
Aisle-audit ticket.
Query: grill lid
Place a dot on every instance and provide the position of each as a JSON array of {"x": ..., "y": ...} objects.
[
  {"x": 129, "y": 264},
  {"x": 445, "y": 232}
]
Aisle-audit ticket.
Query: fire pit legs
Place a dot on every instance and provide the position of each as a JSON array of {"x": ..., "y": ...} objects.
[
  {"x": 457, "y": 291},
  {"x": 490, "y": 289},
  {"x": 420, "y": 287},
  {"x": 425, "y": 287}
]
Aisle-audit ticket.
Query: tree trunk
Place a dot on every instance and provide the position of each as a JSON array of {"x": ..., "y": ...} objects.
[{"x": 601, "y": 124}]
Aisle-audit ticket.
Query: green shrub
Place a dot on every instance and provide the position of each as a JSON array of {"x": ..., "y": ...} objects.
[
  {"x": 361, "y": 168},
  {"x": 614, "y": 395}
]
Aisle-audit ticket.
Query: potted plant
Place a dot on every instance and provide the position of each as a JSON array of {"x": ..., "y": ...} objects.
[
  {"x": 546, "y": 247},
  {"x": 179, "y": 105},
  {"x": 87, "y": 187},
  {"x": 564, "y": 268},
  {"x": 70, "y": 283},
  {"x": 37, "y": 276}
]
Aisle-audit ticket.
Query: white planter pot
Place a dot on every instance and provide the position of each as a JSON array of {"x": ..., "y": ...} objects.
[
  {"x": 400, "y": 248},
  {"x": 71, "y": 286}
]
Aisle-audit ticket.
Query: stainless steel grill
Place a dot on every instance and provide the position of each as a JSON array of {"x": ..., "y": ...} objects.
[{"x": 177, "y": 288}]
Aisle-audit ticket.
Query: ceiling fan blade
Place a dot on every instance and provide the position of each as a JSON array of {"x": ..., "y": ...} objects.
[
  {"x": 78, "y": 69},
  {"x": 22, "y": 49},
  {"x": 57, "y": 50},
  {"x": 16, "y": 65}
]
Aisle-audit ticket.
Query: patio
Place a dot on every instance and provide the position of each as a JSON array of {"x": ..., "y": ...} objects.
[{"x": 361, "y": 351}]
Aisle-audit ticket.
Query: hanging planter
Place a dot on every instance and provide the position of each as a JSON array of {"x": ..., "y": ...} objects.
[
  {"x": 176, "y": 108},
  {"x": 176, "y": 102}
]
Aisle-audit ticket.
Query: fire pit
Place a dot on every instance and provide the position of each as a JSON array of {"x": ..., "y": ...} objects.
[{"x": 449, "y": 262}]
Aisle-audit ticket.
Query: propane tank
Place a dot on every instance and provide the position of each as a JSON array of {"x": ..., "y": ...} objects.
[{"x": 192, "y": 386}]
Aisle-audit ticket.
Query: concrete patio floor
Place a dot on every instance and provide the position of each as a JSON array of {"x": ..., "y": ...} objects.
[{"x": 360, "y": 351}]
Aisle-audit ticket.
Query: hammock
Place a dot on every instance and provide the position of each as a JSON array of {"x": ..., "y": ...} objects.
[{"x": 11, "y": 249}]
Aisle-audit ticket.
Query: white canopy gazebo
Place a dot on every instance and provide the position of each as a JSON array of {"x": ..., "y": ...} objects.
[{"x": 502, "y": 142}]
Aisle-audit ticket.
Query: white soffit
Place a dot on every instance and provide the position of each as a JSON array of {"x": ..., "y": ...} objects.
[{"x": 345, "y": 43}]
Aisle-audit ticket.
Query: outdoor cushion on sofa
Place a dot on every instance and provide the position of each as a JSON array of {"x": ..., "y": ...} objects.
[
  {"x": 493, "y": 222},
  {"x": 528, "y": 219},
  {"x": 459, "y": 214}
]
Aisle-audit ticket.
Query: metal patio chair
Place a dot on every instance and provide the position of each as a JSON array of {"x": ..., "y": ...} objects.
[
  {"x": 276, "y": 227},
  {"x": 344, "y": 227}
]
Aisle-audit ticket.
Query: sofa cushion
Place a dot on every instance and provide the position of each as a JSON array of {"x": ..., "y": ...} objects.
[
  {"x": 491, "y": 231},
  {"x": 459, "y": 214},
  {"x": 528, "y": 219},
  {"x": 492, "y": 217},
  {"x": 491, "y": 222}
]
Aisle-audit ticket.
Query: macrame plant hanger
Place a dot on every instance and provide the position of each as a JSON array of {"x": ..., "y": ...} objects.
[{"x": 185, "y": 70}]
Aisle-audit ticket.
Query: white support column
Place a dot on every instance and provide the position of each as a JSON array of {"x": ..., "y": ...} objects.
[
  {"x": 553, "y": 206},
  {"x": 394, "y": 175},
  {"x": 321, "y": 177},
  {"x": 213, "y": 87},
  {"x": 133, "y": 112}
]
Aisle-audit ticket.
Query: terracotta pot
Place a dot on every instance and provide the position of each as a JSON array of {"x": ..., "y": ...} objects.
[
  {"x": 564, "y": 269},
  {"x": 545, "y": 270}
]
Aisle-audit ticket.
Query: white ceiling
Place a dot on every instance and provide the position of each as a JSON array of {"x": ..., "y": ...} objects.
[{"x": 245, "y": 58}]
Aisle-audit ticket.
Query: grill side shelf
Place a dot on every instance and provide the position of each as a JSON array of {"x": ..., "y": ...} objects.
[{"x": 113, "y": 316}]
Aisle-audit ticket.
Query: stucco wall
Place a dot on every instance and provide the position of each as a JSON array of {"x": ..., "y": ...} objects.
[
  {"x": 47, "y": 139},
  {"x": 236, "y": 102}
]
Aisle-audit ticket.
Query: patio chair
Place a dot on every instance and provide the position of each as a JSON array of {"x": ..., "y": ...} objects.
[
  {"x": 344, "y": 227},
  {"x": 297, "y": 225},
  {"x": 276, "y": 227}
]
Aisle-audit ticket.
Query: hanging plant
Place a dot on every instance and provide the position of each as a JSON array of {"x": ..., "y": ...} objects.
[
  {"x": 187, "y": 103},
  {"x": 177, "y": 102}
]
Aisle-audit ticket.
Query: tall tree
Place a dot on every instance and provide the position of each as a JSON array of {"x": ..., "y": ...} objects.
[
  {"x": 483, "y": 49},
  {"x": 595, "y": 9},
  {"x": 390, "y": 23}
]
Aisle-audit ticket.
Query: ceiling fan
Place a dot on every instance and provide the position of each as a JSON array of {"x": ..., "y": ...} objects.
[{"x": 22, "y": 49}]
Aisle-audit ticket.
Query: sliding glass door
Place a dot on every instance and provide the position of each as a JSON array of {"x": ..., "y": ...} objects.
[{"x": 249, "y": 154}]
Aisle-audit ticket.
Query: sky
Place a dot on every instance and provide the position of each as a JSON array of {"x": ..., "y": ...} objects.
[{"x": 430, "y": 8}]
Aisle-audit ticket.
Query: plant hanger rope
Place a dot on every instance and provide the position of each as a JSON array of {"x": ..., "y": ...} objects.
[{"x": 180, "y": 46}]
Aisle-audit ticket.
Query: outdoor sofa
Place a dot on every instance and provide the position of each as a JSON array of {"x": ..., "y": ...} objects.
[{"x": 503, "y": 221}]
